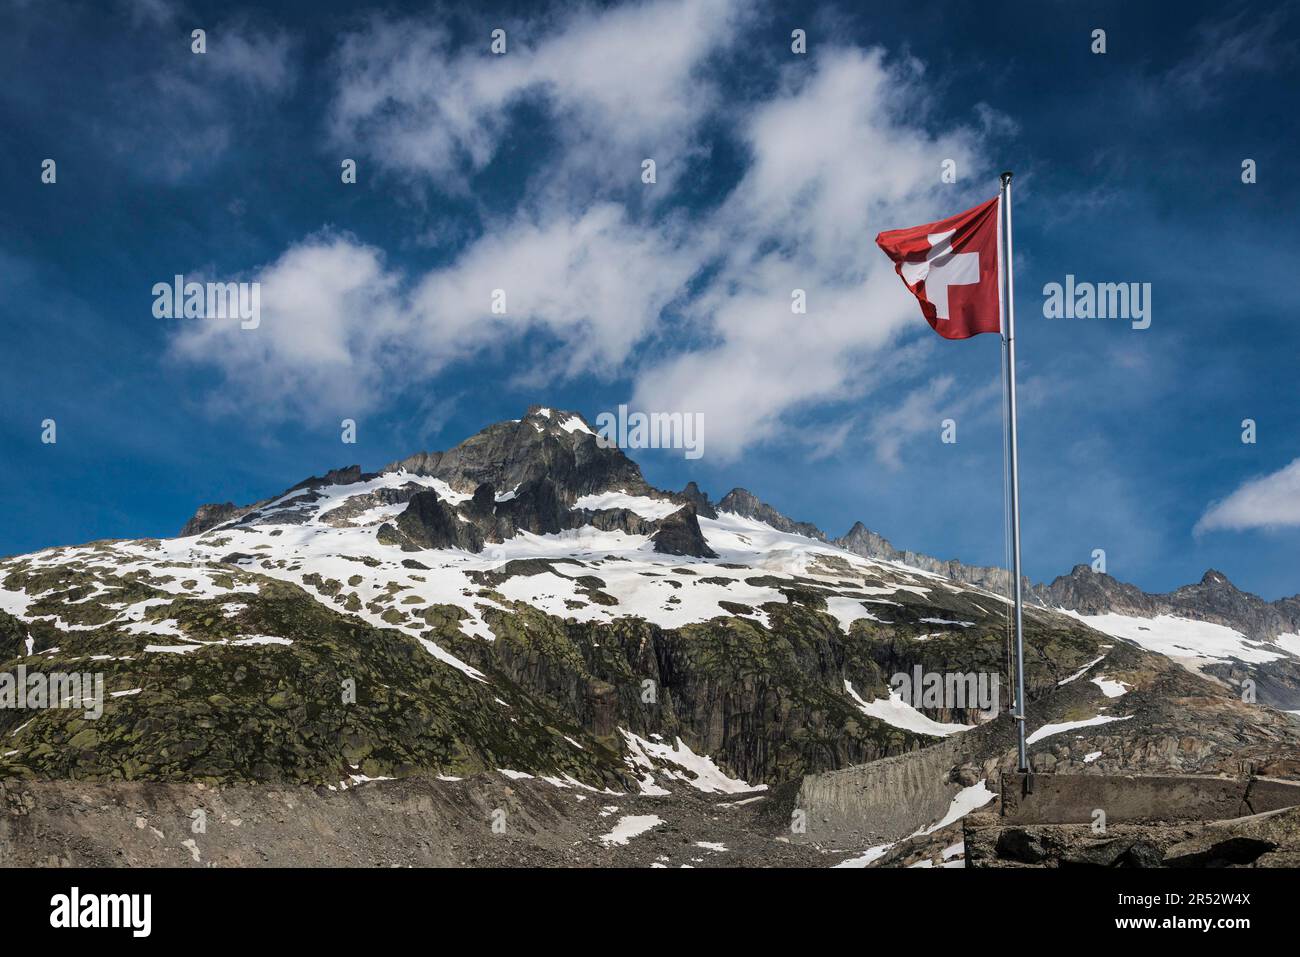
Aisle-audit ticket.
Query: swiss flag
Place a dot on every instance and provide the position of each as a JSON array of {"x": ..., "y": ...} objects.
[{"x": 952, "y": 268}]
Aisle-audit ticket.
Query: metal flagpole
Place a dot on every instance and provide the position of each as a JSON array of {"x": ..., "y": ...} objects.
[{"x": 1009, "y": 340}]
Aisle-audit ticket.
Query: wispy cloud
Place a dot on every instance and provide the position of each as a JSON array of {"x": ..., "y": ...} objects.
[
  {"x": 1267, "y": 502},
  {"x": 1243, "y": 43},
  {"x": 916, "y": 414},
  {"x": 192, "y": 107}
]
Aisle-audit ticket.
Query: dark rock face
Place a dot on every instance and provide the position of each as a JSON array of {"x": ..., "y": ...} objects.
[
  {"x": 539, "y": 507},
  {"x": 767, "y": 705},
  {"x": 679, "y": 534},
  {"x": 210, "y": 516},
  {"x": 743, "y": 502},
  {"x": 429, "y": 522},
  {"x": 13, "y": 637},
  {"x": 618, "y": 520},
  {"x": 483, "y": 501}
]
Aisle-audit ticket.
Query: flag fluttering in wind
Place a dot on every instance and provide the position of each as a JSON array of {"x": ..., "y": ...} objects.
[
  {"x": 960, "y": 270},
  {"x": 952, "y": 268}
]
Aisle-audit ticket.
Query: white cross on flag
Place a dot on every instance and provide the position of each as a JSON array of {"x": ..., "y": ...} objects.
[{"x": 952, "y": 268}]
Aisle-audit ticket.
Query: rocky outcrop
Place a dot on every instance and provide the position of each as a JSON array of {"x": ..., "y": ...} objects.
[
  {"x": 348, "y": 475},
  {"x": 618, "y": 520},
  {"x": 212, "y": 515},
  {"x": 13, "y": 637},
  {"x": 540, "y": 505},
  {"x": 768, "y": 704},
  {"x": 357, "y": 505},
  {"x": 429, "y": 522},
  {"x": 679, "y": 534},
  {"x": 291, "y": 508},
  {"x": 746, "y": 504}
]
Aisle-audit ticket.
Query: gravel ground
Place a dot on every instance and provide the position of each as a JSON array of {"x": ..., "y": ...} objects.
[{"x": 489, "y": 820}]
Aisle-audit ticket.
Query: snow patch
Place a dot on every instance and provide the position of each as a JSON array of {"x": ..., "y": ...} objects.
[
  {"x": 699, "y": 771},
  {"x": 847, "y": 610},
  {"x": 651, "y": 509},
  {"x": 1193, "y": 644},
  {"x": 1047, "y": 730},
  {"x": 630, "y": 826},
  {"x": 900, "y": 714},
  {"x": 1109, "y": 687}
]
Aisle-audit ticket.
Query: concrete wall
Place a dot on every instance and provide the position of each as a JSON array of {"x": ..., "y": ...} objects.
[{"x": 881, "y": 801}]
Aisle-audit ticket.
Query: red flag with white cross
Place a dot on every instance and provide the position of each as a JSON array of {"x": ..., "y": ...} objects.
[{"x": 952, "y": 268}]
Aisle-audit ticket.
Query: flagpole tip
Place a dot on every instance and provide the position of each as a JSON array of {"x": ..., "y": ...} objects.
[{"x": 1006, "y": 177}]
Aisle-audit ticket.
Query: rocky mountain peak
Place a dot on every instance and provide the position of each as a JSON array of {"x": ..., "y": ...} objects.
[
  {"x": 745, "y": 503},
  {"x": 867, "y": 543},
  {"x": 698, "y": 499},
  {"x": 1217, "y": 579},
  {"x": 547, "y": 443},
  {"x": 1095, "y": 593}
]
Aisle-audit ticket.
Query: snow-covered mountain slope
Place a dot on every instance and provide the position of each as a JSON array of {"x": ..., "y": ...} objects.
[
  {"x": 1212, "y": 628},
  {"x": 524, "y": 602}
]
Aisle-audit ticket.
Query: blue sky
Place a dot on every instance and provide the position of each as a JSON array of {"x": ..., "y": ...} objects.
[{"x": 774, "y": 171}]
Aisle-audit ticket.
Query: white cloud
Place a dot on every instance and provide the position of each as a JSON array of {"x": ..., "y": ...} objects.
[
  {"x": 328, "y": 307},
  {"x": 1270, "y": 501},
  {"x": 596, "y": 281},
  {"x": 692, "y": 306},
  {"x": 622, "y": 84}
]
